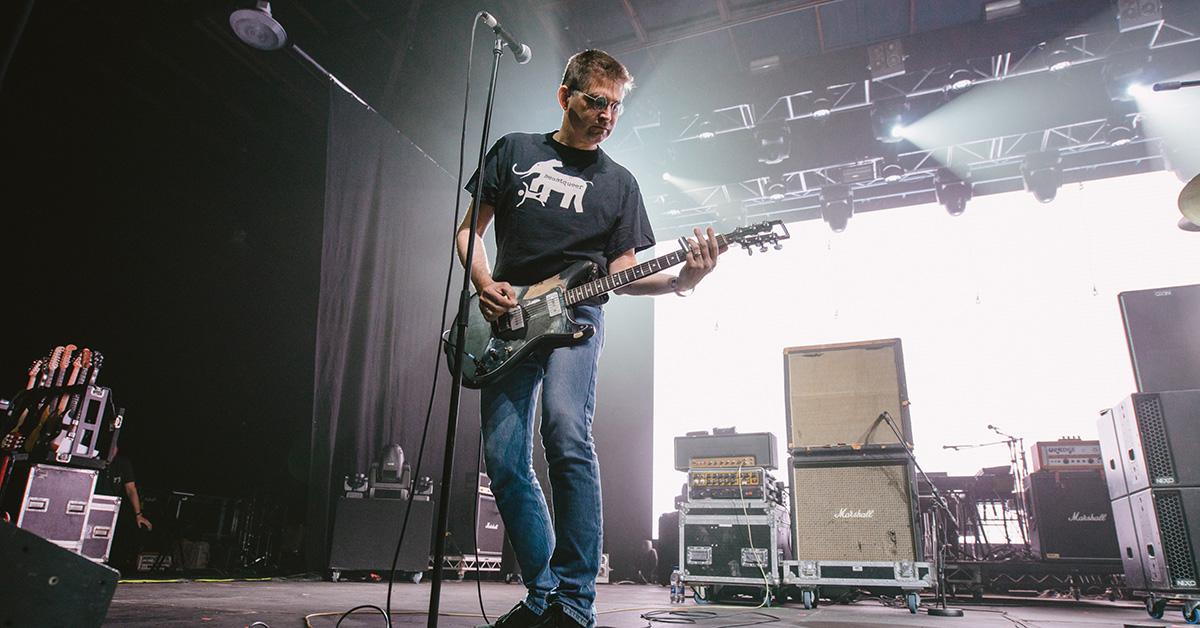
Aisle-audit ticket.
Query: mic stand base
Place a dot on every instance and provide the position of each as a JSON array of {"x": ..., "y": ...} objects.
[{"x": 945, "y": 612}]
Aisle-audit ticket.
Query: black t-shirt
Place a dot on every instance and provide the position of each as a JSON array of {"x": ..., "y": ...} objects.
[
  {"x": 113, "y": 478},
  {"x": 556, "y": 205}
]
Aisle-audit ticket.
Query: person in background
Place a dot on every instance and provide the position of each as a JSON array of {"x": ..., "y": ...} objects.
[{"x": 118, "y": 480}]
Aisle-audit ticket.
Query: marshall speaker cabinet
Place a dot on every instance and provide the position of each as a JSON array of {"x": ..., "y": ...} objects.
[
  {"x": 835, "y": 394},
  {"x": 1070, "y": 516},
  {"x": 862, "y": 511}
]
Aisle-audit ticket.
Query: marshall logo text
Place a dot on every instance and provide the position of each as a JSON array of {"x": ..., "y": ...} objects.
[
  {"x": 846, "y": 513},
  {"x": 1078, "y": 516}
]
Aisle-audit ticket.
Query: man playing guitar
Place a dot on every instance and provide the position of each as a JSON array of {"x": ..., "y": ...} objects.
[{"x": 556, "y": 199}]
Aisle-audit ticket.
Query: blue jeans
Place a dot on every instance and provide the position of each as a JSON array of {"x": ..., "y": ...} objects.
[{"x": 558, "y": 560}]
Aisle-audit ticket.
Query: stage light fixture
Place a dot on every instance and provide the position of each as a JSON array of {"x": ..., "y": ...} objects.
[
  {"x": 774, "y": 142},
  {"x": 775, "y": 191},
  {"x": 959, "y": 80},
  {"x": 952, "y": 191},
  {"x": 837, "y": 205},
  {"x": 821, "y": 108},
  {"x": 257, "y": 28},
  {"x": 1041, "y": 174},
  {"x": 1120, "y": 130},
  {"x": 887, "y": 119},
  {"x": 1058, "y": 59},
  {"x": 890, "y": 169}
]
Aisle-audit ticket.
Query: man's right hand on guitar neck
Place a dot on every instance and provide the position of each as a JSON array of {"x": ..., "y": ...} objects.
[{"x": 495, "y": 299}]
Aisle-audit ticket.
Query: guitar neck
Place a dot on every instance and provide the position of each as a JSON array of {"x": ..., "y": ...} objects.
[{"x": 611, "y": 282}]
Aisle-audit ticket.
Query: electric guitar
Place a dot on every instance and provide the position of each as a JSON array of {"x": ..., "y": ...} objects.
[{"x": 542, "y": 316}]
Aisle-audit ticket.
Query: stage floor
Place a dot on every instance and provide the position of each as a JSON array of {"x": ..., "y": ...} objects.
[{"x": 281, "y": 603}]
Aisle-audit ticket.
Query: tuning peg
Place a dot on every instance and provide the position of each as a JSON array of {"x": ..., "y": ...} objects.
[
  {"x": 762, "y": 248},
  {"x": 778, "y": 246}
]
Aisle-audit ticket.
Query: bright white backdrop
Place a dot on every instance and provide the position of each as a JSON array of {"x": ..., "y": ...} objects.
[{"x": 1008, "y": 315}]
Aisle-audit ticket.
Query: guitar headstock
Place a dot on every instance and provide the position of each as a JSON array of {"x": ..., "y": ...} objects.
[
  {"x": 760, "y": 236},
  {"x": 84, "y": 359},
  {"x": 56, "y": 358},
  {"x": 97, "y": 362},
  {"x": 68, "y": 351}
]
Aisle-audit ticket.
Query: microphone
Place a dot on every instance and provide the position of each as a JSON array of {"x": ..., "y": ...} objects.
[
  {"x": 1167, "y": 86},
  {"x": 520, "y": 51}
]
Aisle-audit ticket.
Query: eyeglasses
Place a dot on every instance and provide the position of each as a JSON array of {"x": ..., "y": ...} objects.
[{"x": 600, "y": 103}]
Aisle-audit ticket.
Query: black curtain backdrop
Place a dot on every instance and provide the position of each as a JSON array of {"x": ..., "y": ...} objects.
[{"x": 385, "y": 254}]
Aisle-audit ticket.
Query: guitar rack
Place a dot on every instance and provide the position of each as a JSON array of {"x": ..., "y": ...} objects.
[{"x": 59, "y": 419}]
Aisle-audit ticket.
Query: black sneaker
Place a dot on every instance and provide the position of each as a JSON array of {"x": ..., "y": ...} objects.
[
  {"x": 519, "y": 617},
  {"x": 556, "y": 617}
]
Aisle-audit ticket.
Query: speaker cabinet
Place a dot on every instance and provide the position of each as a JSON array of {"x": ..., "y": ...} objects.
[
  {"x": 1155, "y": 436},
  {"x": 836, "y": 392},
  {"x": 1127, "y": 542},
  {"x": 47, "y": 586},
  {"x": 365, "y": 532},
  {"x": 1160, "y": 327},
  {"x": 1071, "y": 516},
  {"x": 1110, "y": 453},
  {"x": 1167, "y": 525},
  {"x": 489, "y": 529},
  {"x": 860, "y": 511}
]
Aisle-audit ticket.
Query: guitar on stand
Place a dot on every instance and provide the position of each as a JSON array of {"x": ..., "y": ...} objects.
[{"x": 542, "y": 316}]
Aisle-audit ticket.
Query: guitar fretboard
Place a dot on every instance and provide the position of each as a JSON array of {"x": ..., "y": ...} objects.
[{"x": 611, "y": 282}]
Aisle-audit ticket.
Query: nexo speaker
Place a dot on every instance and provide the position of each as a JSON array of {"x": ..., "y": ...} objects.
[
  {"x": 1070, "y": 515},
  {"x": 1167, "y": 526},
  {"x": 1127, "y": 542},
  {"x": 836, "y": 393},
  {"x": 1156, "y": 435},
  {"x": 47, "y": 586},
  {"x": 864, "y": 511},
  {"x": 1160, "y": 327},
  {"x": 1111, "y": 456}
]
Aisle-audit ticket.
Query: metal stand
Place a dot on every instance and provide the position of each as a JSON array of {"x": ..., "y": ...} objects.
[
  {"x": 464, "y": 299},
  {"x": 940, "y": 610}
]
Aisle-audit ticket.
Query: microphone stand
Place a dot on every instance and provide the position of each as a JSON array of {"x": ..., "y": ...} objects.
[
  {"x": 939, "y": 557},
  {"x": 464, "y": 300}
]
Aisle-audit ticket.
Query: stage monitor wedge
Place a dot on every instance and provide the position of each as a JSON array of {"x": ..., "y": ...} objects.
[{"x": 47, "y": 586}]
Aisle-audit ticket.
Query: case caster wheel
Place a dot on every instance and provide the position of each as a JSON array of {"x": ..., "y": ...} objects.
[
  {"x": 912, "y": 600},
  {"x": 415, "y": 578},
  {"x": 1191, "y": 612},
  {"x": 1155, "y": 607},
  {"x": 808, "y": 599},
  {"x": 335, "y": 575}
]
